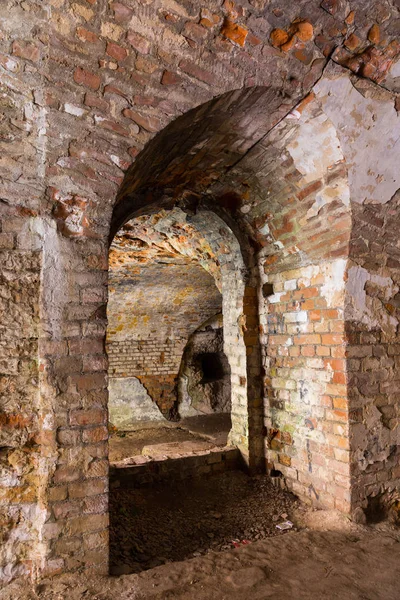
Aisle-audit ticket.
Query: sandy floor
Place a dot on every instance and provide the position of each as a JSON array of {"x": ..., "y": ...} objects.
[{"x": 354, "y": 563}]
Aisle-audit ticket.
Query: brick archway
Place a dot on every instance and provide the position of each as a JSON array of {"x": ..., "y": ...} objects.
[
  {"x": 207, "y": 238},
  {"x": 77, "y": 124}
]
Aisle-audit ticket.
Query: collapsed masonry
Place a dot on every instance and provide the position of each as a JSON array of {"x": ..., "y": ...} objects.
[{"x": 267, "y": 133}]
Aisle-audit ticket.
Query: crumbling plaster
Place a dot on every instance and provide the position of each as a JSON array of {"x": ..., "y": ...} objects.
[{"x": 84, "y": 94}]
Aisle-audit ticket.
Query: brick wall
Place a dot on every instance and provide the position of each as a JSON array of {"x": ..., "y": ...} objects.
[
  {"x": 373, "y": 357},
  {"x": 306, "y": 386},
  {"x": 152, "y": 314},
  {"x": 87, "y": 89},
  {"x": 154, "y": 362},
  {"x": 128, "y": 358}
]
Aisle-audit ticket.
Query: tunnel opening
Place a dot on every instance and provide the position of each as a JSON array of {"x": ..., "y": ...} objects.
[
  {"x": 212, "y": 366},
  {"x": 172, "y": 341}
]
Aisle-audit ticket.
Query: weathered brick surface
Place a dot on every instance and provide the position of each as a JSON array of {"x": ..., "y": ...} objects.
[{"x": 72, "y": 78}]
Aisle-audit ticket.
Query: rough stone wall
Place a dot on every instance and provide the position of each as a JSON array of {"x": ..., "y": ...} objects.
[
  {"x": 129, "y": 403},
  {"x": 151, "y": 313},
  {"x": 84, "y": 88},
  {"x": 25, "y": 431},
  {"x": 204, "y": 384},
  {"x": 372, "y": 326},
  {"x": 371, "y": 312}
]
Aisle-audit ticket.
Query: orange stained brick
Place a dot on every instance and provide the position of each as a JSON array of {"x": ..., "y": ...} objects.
[
  {"x": 339, "y": 377},
  {"x": 337, "y": 326},
  {"x": 307, "y": 339},
  {"x": 337, "y": 415},
  {"x": 284, "y": 459},
  {"x": 340, "y": 403},
  {"x": 338, "y": 352},
  {"x": 330, "y": 313},
  {"x": 323, "y": 351},
  {"x": 336, "y": 389},
  {"x": 338, "y": 441},
  {"x": 332, "y": 339},
  {"x": 310, "y": 292},
  {"x": 337, "y": 364},
  {"x": 308, "y": 351},
  {"x": 314, "y": 315},
  {"x": 294, "y": 351}
]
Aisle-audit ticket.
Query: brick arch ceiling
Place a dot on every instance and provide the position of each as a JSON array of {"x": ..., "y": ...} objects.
[{"x": 284, "y": 183}]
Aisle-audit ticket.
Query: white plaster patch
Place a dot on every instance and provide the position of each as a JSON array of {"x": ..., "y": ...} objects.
[
  {"x": 362, "y": 307},
  {"x": 333, "y": 288},
  {"x": 76, "y": 111},
  {"x": 275, "y": 297},
  {"x": 117, "y": 160},
  {"x": 338, "y": 191},
  {"x": 369, "y": 129},
  {"x": 290, "y": 284},
  {"x": 314, "y": 148},
  {"x": 265, "y": 230},
  {"x": 357, "y": 278}
]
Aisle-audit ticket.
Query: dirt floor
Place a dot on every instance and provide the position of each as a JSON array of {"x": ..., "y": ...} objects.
[
  {"x": 201, "y": 432},
  {"x": 156, "y": 525},
  {"x": 334, "y": 560},
  {"x": 225, "y": 529}
]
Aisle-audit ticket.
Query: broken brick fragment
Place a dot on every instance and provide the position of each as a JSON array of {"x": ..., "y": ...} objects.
[{"x": 234, "y": 32}]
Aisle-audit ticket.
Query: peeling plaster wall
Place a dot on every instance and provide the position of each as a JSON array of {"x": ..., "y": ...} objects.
[
  {"x": 372, "y": 324},
  {"x": 86, "y": 93},
  {"x": 305, "y": 385},
  {"x": 370, "y": 136}
]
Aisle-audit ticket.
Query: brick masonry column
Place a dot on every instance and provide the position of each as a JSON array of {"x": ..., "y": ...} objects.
[{"x": 74, "y": 394}]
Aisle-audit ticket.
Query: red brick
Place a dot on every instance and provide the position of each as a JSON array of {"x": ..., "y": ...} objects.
[
  {"x": 26, "y": 50},
  {"x": 116, "y": 51},
  {"x": 170, "y": 78},
  {"x": 138, "y": 42},
  {"x": 332, "y": 339},
  {"x": 91, "y": 381},
  {"x": 122, "y": 13},
  {"x": 308, "y": 351},
  {"x": 86, "y": 36},
  {"x": 307, "y": 339},
  {"x": 197, "y": 72},
  {"x": 87, "y": 78},
  {"x": 340, "y": 403},
  {"x": 337, "y": 415},
  {"x": 146, "y": 122},
  {"x": 336, "y": 364},
  {"x": 87, "y": 417},
  {"x": 96, "y": 102},
  {"x": 92, "y": 487},
  {"x": 95, "y": 434},
  {"x": 310, "y": 189},
  {"x": 194, "y": 32}
]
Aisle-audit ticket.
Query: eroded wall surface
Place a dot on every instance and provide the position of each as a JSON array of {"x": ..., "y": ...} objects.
[
  {"x": 144, "y": 105},
  {"x": 153, "y": 308}
]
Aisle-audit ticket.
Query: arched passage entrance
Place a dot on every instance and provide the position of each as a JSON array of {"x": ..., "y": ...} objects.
[
  {"x": 288, "y": 209},
  {"x": 205, "y": 239}
]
